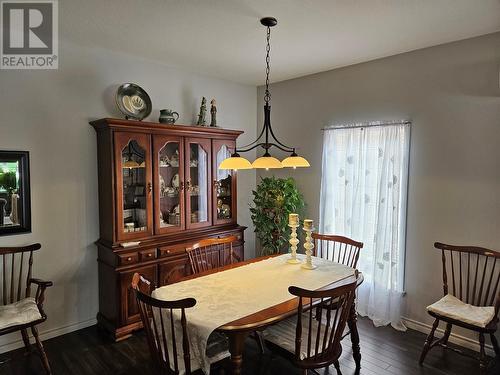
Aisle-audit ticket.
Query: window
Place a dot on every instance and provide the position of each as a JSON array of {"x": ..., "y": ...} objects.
[{"x": 363, "y": 196}]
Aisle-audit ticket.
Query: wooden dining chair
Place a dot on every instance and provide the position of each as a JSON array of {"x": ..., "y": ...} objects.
[
  {"x": 345, "y": 251},
  {"x": 471, "y": 279},
  {"x": 338, "y": 249},
  {"x": 312, "y": 343},
  {"x": 19, "y": 310},
  {"x": 161, "y": 325},
  {"x": 212, "y": 253}
]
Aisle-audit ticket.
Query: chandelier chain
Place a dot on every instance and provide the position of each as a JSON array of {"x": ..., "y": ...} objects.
[{"x": 267, "y": 95}]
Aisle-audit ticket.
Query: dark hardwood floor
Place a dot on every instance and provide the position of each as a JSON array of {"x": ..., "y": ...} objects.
[{"x": 384, "y": 351}]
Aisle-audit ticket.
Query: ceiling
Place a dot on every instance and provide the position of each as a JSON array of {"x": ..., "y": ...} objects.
[{"x": 223, "y": 38}]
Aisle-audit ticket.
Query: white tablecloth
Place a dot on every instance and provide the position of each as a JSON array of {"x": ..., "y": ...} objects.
[{"x": 233, "y": 294}]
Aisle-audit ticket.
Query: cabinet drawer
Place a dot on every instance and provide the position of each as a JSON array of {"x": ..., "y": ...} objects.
[
  {"x": 146, "y": 255},
  {"x": 238, "y": 235},
  {"x": 166, "y": 251},
  {"x": 129, "y": 258}
]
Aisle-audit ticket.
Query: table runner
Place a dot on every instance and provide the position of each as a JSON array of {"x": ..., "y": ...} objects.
[{"x": 226, "y": 296}]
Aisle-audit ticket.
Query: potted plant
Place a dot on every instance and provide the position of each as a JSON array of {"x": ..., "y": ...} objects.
[
  {"x": 8, "y": 183},
  {"x": 273, "y": 200}
]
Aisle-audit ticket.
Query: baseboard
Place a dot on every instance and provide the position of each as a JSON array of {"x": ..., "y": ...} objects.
[
  {"x": 48, "y": 334},
  {"x": 459, "y": 340}
]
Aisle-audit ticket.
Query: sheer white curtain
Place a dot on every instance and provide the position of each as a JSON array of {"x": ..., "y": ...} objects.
[{"x": 363, "y": 196}]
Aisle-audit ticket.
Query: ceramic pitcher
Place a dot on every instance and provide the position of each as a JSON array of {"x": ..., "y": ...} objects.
[{"x": 167, "y": 116}]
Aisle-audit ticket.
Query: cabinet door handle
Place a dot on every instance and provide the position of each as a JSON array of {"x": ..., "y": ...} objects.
[
  {"x": 188, "y": 186},
  {"x": 150, "y": 255},
  {"x": 129, "y": 259},
  {"x": 150, "y": 187}
]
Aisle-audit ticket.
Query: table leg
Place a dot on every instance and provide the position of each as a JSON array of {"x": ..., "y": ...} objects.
[
  {"x": 353, "y": 328},
  {"x": 236, "y": 346}
]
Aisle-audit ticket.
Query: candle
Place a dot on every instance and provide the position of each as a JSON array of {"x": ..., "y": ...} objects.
[
  {"x": 308, "y": 224},
  {"x": 293, "y": 219}
]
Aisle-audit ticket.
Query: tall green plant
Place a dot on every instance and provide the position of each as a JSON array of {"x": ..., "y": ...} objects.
[
  {"x": 8, "y": 181},
  {"x": 273, "y": 200}
]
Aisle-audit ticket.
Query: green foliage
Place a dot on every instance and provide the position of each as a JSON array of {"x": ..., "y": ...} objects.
[
  {"x": 273, "y": 200},
  {"x": 8, "y": 181}
]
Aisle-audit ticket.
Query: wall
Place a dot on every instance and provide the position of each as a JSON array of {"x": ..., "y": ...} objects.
[
  {"x": 451, "y": 93},
  {"x": 47, "y": 113}
]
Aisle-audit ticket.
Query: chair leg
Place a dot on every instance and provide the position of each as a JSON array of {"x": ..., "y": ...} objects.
[
  {"x": 428, "y": 342},
  {"x": 337, "y": 367},
  {"x": 41, "y": 351},
  {"x": 494, "y": 342},
  {"x": 26, "y": 340},
  {"x": 353, "y": 329},
  {"x": 444, "y": 340},
  {"x": 482, "y": 355},
  {"x": 260, "y": 341}
]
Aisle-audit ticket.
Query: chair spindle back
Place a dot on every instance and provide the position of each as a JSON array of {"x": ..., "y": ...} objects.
[
  {"x": 471, "y": 274},
  {"x": 16, "y": 269},
  {"x": 212, "y": 253},
  {"x": 338, "y": 249},
  {"x": 161, "y": 323},
  {"x": 324, "y": 330}
]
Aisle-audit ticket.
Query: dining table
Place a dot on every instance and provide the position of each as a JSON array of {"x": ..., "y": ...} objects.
[{"x": 234, "y": 309}]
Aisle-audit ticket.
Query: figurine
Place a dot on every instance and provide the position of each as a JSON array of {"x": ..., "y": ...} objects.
[
  {"x": 203, "y": 111},
  {"x": 213, "y": 113}
]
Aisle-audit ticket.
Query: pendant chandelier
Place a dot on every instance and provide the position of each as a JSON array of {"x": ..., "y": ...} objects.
[{"x": 266, "y": 161}]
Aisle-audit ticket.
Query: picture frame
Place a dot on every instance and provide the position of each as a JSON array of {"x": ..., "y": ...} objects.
[{"x": 15, "y": 193}]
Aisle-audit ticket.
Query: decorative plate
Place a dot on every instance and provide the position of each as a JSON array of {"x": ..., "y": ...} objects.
[
  {"x": 175, "y": 180},
  {"x": 133, "y": 101}
]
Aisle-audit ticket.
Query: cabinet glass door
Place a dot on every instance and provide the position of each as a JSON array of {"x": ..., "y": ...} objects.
[
  {"x": 132, "y": 153},
  {"x": 224, "y": 182},
  {"x": 198, "y": 188},
  {"x": 169, "y": 183}
]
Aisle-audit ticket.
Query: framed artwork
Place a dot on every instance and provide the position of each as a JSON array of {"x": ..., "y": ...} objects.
[{"x": 15, "y": 202}]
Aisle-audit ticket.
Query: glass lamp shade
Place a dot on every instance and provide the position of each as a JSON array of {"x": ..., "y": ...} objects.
[
  {"x": 295, "y": 161},
  {"x": 131, "y": 164},
  {"x": 267, "y": 162},
  {"x": 235, "y": 162}
]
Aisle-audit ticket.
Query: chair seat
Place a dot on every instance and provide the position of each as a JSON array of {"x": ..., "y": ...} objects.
[
  {"x": 283, "y": 335},
  {"x": 19, "y": 313},
  {"x": 451, "y": 307}
]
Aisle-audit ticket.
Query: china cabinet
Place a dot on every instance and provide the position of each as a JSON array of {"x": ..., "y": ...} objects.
[{"x": 160, "y": 191}]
